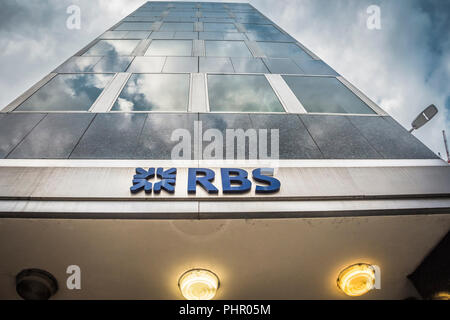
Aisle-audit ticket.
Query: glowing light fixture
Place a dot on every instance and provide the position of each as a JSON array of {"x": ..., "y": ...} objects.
[
  {"x": 357, "y": 279},
  {"x": 442, "y": 296},
  {"x": 198, "y": 284}
]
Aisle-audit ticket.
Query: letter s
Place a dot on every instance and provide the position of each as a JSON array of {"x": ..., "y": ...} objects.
[{"x": 274, "y": 184}]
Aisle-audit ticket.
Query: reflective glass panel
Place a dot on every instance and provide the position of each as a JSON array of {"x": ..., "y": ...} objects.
[
  {"x": 147, "y": 64},
  {"x": 113, "y": 63},
  {"x": 249, "y": 65},
  {"x": 264, "y": 36},
  {"x": 212, "y": 14},
  {"x": 253, "y": 20},
  {"x": 242, "y": 93},
  {"x": 177, "y": 26},
  {"x": 67, "y": 92},
  {"x": 137, "y": 35},
  {"x": 145, "y": 26},
  {"x": 182, "y": 14},
  {"x": 265, "y": 32},
  {"x": 181, "y": 64},
  {"x": 216, "y": 20},
  {"x": 185, "y": 35},
  {"x": 214, "y": 64},
  {"x": 112, "y": 47},
  {"x": 282, "y": 66},
  {"x": 154, "y": 92},
  {"x": 315, "y": 67},
  {"x": 211, "y": 35},
  {"x": 170, "y": 48},
  {"x": 263, "y": 28},
  {"x": 162, "y": 35},
  {"x": 326, "y": 95},
  {"x": 227, "y": 49},
  {"x": 282, "y": 50},
  {"x": 113, "y": 35},
  {"x": 248, "y": 14},
  {"x": 78, "y": 64},
  {"x": 221, "y": 27}
]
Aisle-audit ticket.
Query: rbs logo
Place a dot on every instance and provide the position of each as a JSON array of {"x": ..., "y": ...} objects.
[{"x": 234, "y": 180}]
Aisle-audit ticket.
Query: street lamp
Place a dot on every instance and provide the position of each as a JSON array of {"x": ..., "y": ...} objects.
[{"x": 425, "y": 116}]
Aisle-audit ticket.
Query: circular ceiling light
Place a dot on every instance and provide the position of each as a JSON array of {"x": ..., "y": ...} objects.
[
  {"x": 198, "y": 284},
  {"x": 35, "y": 284},
  {"x": 357, "y": 279},
  {"x": 442, "y": 296}
]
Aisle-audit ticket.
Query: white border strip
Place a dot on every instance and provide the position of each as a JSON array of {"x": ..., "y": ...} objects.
[{"x": 321, "y": 163}]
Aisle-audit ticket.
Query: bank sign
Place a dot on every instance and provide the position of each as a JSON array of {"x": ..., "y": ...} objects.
[{"x": 234, "y": 180}]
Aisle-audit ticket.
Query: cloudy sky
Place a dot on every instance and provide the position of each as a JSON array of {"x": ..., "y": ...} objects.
[{"x": 404, "y": 66}]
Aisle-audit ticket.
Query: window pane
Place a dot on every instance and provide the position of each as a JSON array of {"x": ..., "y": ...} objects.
[
  {"x": 249, "y": 65},
  {"x": 145, "y": 26},
  {"x": 282, "y": 50},
  {"x": 211, "y": 35},
  {"x": 154, "y": 92},
  {"x": 113, "y": 64},
  {"x": 78, "y": 64},
  {"x": 177, "y": 26},
  {"x": 137, "y": 35},
  {"x": 221, "y": 27},
  {"x": 162, "y": 35},
  {"x": 253, "y": 20},
  {"x": 265, "y": 32},
  {"x": 315, "y": 67},
  {"x": 249, "y": 14},
  {"x": 186, "y": 35},
  {"x": 147, "y": 64},
  {"x": 227, "y": 49},
  {"x": 242, "y": 93},
  {"x": 282, "y": 66},
  {"x": 112, "y": 47},
  {"x": 215, "y": 20},
  {"x": 261, "y": 36},
  {"x": 329, "y": 95},
  {"x": 67, "y": 92},
  {"x": 212, "y": 14},
  {"x": 182, "y": 14},
  {"x": 181, "y": 64},
  {"x": 113, "y": 35},
  {"x": 214, "y": 64},
  {"x": 263, "y": 28},
  {"x": 221, "y": 36},
  {"x": 170, "y": 48}
]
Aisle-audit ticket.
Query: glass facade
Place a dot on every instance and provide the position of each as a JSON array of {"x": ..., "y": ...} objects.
[
  {"x": 154, "y": 92},
  {"x": 161, "y": 45},
  {"x": 67, "y": 92},
  {"x": 241, "y": 93}
]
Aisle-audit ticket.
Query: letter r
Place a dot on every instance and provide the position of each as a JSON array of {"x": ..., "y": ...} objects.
[{"x": 205, "y": 181}]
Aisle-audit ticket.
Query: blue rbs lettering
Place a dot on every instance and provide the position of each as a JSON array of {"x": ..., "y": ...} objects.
[{"x": 234, "y": 181}]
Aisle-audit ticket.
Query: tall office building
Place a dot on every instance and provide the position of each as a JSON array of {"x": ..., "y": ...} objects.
[{"x": 113, "y": 163}]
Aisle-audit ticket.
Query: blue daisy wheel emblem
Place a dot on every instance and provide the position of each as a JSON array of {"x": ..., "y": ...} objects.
[{"x": 141, "y": 180}]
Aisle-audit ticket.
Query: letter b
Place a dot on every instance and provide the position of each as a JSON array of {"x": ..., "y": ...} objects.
[{"x": 238, "y": 176}]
